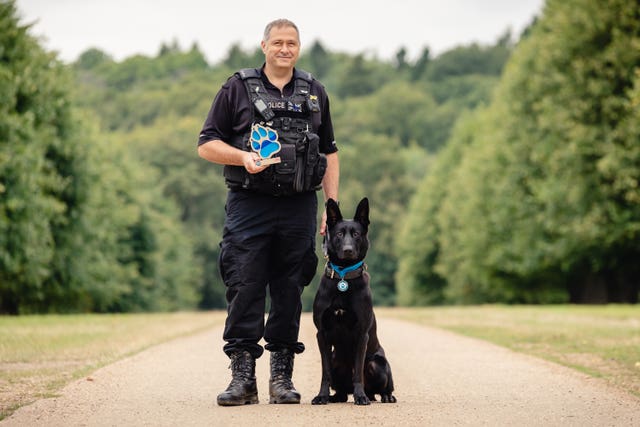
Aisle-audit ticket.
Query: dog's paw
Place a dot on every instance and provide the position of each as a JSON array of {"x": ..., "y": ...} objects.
[
  {"x": 320, "y": 400},
  {"x": 387, "y": 398},
  {"x": 361, "y": 400}
]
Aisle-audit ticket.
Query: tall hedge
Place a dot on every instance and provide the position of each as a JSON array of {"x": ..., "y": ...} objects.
[{"x": 543, "y": 205}]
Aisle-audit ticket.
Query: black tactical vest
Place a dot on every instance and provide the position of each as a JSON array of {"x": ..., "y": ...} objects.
[{"x": 302, "y": 166}]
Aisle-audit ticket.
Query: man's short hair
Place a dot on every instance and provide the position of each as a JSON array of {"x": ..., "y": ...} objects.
[{"x": 277, "y": 24}]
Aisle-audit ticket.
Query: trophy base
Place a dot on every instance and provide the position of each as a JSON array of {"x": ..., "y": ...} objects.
[{"x": 270, "y": 161}]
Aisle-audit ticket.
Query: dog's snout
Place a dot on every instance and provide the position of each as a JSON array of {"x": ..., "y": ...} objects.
[{"x": 348, "y": 251}]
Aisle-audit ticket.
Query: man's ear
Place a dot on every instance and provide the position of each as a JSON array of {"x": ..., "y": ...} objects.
[
  {"x": 333, "y": 213},
  {"x": 362, "y": 213}
]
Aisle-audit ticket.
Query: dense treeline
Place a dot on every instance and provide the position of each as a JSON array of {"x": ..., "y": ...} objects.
[
  {"x": 135, "y": 217},
  {"x": 83, "y": 224},
  {"x": 389, "y": 119},
  {"x": 535, "y": 198},
  {"x": 527, "y": 193}
]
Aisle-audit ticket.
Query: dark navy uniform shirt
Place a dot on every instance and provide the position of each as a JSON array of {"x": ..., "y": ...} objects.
[{"x": 231, "y": 112}]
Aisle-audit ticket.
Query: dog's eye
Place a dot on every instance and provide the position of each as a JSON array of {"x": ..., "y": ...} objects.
[
  {"x": 340, "y": 234},
  {"x": 356, "y": 234}
]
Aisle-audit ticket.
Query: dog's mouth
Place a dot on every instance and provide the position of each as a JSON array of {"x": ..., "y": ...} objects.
[{"x": 348, "y": 255}]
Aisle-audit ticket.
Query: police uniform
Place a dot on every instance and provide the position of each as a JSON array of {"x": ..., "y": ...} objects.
[{"x": 270, "y": 225}]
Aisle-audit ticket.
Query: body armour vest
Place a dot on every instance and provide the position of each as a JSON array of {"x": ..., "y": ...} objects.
[{"x": 285, "y": 121}]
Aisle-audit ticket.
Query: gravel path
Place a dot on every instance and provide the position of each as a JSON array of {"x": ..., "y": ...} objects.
[{"x": 441, "y": 379}]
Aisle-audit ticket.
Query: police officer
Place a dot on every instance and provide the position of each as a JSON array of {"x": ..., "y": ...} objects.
[{"x": 275, "y": 112}]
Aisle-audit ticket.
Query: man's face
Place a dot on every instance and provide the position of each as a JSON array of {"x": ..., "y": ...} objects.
[{"x": 282, "y": 48}]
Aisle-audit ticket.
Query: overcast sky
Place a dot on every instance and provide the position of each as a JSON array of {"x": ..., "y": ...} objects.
[{"x": 123, "y": 28}]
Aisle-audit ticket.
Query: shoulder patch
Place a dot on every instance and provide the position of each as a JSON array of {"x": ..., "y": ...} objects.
[
  {"x": 304, "y": 75},
  {"x": 248, "y": 73}
]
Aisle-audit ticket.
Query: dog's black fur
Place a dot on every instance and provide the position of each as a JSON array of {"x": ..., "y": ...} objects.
[{"x": 352, "y": 359}]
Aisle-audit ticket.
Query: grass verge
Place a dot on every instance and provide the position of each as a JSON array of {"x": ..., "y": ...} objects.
[
  {"x": 40, "y": 354},
  {"x": 602, "y": 341}
]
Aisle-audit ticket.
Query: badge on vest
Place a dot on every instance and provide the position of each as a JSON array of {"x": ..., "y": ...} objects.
[{"x": 264, "y": 141}]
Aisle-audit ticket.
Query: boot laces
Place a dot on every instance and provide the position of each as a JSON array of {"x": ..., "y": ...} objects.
[
  {"x": 282, "y": 369},
  {"x": 241, "y": 367}
]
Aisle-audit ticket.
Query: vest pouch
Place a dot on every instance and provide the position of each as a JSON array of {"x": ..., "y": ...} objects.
[
  {"x": 236, "y": 177},
  {"x": 282, "y": 173},
  {"x": 315, "y": 162},
  {"x": 318, "y": 172},
  {"x": 287, "y": 163}
]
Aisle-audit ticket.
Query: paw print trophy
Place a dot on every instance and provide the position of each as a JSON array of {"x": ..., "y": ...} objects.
[{"x": 264, "y": 141}]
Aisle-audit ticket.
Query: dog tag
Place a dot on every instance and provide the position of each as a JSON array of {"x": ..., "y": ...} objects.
[{"x": 343, "y": 286}]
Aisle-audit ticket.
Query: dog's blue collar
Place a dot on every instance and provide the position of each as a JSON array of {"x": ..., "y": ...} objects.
[
  {"x": 343, "y": 285},
  {"x": 342, "y": 271}
]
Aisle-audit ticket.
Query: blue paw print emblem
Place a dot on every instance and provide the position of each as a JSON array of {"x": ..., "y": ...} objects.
[{"x": 264, "y": 141}]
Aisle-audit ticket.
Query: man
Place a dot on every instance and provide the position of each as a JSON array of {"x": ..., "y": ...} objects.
[{"x": 269, "y": 234}]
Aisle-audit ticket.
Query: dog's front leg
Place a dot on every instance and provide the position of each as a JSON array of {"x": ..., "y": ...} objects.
[
  {"x": 325, "y": 354},
  {"x": 359, "y": 396}
]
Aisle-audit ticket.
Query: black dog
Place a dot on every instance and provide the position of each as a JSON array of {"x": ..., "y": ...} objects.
[{"x": 352, "y": 359}]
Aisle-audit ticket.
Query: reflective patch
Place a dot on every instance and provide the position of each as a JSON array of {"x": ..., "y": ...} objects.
[{"x": 277, "y": 105}]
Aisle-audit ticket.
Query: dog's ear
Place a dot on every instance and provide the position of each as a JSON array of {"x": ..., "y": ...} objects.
[
  {"x": 362, "y": 213},
  {"x": 333, "y": 213}
]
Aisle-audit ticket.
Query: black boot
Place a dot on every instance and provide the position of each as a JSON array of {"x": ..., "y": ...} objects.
[
  {"x": 281, "y": 388},
  {"x": 242, "y": 390}
]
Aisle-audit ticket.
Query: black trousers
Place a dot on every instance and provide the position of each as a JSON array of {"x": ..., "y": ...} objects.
[{"x": 268, "y": 243}]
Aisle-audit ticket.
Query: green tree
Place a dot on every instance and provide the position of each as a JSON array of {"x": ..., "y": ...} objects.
[
  {"x": 82, "y": 227},
  {"x": 473, "y": 59},
  {"x": 36, "y": 148},
  {"x": 360, "y": 77},
  {"x": 92, "y": 58},
  {"x": 542, "y": 204},
  {"x": 318, "y": 59},
  {"x": 419, "y": 237},
  {"x": 237, "y": 58},
  {"x": 420, "y": 67},
  {"x": 571, "y": 91},
  {"x": 385, "y": 172},
  {"x": 197, "y": 189},
  {"x": 401, "y": 59},
  {"x": 141, "y": 256}
]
